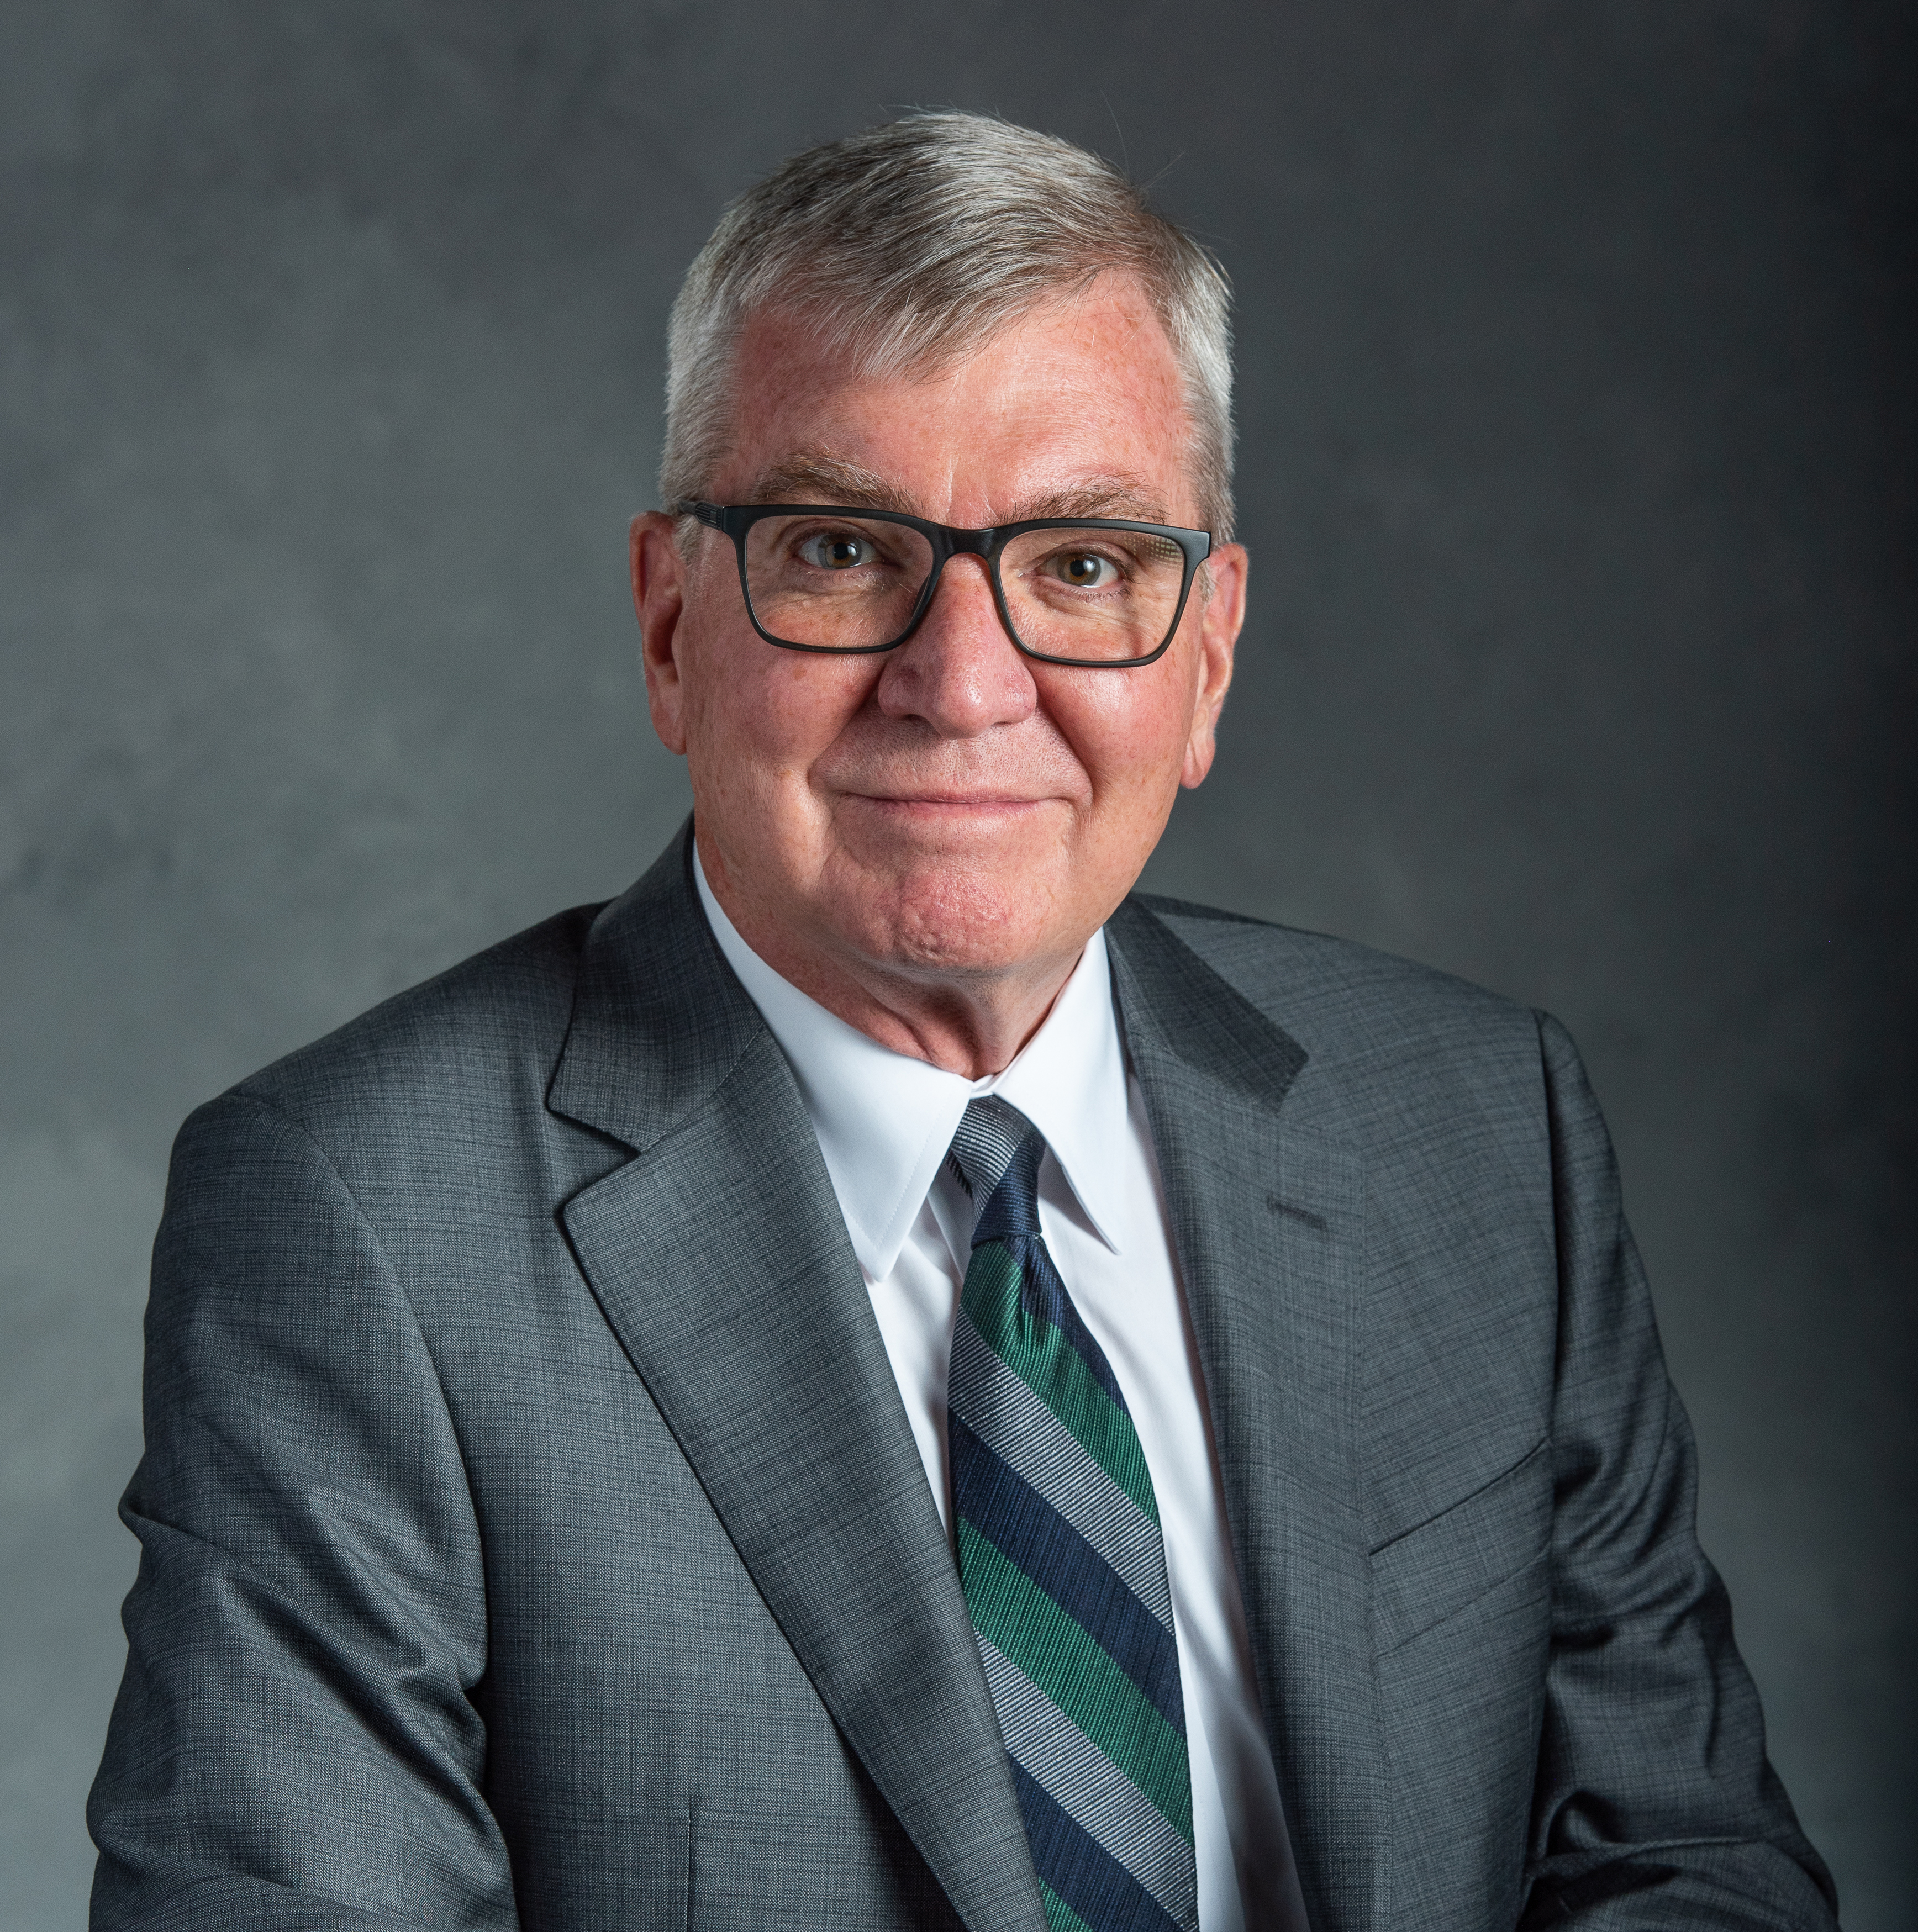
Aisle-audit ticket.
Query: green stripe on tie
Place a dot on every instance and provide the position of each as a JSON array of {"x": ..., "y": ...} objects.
[
  {"x": 1051, "y": 1367},
  {"x": 1059, "y": 1915},
  {"x": 1076, "y": 1673}
]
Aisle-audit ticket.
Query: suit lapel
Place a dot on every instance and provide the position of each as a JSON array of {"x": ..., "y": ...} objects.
[
  {"x": 720, "y": 1259},
  {"x": 1266, "y": 1222}
]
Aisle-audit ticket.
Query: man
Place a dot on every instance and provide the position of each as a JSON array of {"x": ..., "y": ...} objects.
[{"x": 877, "y": 1380}]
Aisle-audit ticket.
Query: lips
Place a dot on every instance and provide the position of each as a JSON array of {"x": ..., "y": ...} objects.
[
  {"x": 962, "y": 800},
  {"x": 938, "y": 808}
]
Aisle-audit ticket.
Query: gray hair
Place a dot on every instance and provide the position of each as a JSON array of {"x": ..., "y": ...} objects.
[{"x": 908, "y": 245}]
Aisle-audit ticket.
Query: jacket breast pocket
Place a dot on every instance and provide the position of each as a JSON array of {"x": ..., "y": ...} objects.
[{"x": 1443, "y": 1565}]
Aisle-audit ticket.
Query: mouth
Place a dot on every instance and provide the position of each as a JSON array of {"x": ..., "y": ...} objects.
[{"x": 955, "y": 803}]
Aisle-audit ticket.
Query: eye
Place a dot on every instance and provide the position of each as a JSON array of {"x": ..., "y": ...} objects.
[
  {"x": 1084, "y": 569},
  {"x": 837, "y": 550}
]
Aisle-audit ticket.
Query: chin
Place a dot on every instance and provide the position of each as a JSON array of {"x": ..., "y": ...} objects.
[{"x": 946, "y": 919}]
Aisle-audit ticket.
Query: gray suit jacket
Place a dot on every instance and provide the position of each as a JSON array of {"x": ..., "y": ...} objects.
[{"x": 533, "y": 1534}]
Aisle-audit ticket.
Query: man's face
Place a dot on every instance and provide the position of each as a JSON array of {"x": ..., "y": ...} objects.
[{"x": 950, "y": 810}]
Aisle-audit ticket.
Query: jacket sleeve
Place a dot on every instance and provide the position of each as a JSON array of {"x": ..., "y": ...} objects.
[
  {"x": 293, "y": 1744},
  {"x": 1655, "y": 1805}
]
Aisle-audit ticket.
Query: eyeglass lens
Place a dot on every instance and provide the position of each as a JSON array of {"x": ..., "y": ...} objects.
[{"x": 849, "y": 584}]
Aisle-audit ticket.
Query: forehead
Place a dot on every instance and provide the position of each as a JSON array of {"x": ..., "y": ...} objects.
[{"x": 1076, "y": 408}]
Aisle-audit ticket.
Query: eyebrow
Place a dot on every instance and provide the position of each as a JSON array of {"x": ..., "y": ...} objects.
[
  {"x": 811, "y": 476},
  {"x": 1128, "y": 496},
  {"x": 815, "y": 476}
]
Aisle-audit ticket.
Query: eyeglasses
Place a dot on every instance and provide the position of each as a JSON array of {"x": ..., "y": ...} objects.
[{"x": 1098, "y": 592}]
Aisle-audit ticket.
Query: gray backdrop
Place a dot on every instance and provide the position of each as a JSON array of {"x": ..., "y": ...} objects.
[{"x": 1577, "y": 408}]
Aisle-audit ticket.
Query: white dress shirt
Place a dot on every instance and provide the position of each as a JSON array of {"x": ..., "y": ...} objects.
[{"x": 885, "y": 1122}]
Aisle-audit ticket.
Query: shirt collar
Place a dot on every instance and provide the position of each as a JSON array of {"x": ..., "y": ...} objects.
[{"x": 884, "y": 1120}]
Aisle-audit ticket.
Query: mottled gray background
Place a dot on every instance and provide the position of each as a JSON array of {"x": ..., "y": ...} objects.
[{"x": 1578, "y": 412}]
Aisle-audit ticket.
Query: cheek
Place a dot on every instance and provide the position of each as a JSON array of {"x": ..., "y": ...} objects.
[
  {"x": 759, "y": 715},
  {"x": 1127, "y": 728}
]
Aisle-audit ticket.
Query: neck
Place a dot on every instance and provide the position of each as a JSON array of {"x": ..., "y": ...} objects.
[{"x": 972, "y": 1024}]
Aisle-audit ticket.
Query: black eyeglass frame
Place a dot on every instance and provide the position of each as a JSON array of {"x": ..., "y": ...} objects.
[{"x": 734, "y": 520}]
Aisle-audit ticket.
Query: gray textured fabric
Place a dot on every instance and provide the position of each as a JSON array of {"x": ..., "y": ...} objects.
[{"x": 532, "y": 1533}]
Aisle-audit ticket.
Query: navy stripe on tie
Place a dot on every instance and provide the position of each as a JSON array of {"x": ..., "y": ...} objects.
[
  {"x": 1042, "y": 1293},
  {"x": 997, "y": 1403},
  {"x": 1081, "y": 1870},
  {"x": 1026, "y": 1530},
  {"x": 1012, "y": 1209}
]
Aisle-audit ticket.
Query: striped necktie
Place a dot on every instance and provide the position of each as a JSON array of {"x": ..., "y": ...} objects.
[{"x": 1063, "y": 1566}]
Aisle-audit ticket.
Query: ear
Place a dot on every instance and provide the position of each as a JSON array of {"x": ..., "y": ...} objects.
[
  {"x": 1219, "y": 618},
  {"x": 658, "y": 597}
]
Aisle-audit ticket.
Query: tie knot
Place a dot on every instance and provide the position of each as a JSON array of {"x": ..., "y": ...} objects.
[{"x": 996, "y": 1153}]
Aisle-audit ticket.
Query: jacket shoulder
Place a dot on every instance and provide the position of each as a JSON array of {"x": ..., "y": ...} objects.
[
  {"x": 1332, "y": 986},
  {"x": 496, "y": 1021},
  {"x": 1381, "y": 1036}
]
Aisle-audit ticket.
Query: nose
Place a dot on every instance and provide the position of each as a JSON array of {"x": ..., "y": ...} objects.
[{"x": 960, "y": 672}]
